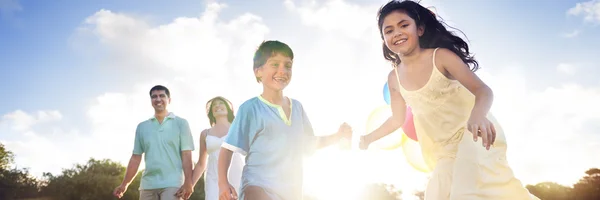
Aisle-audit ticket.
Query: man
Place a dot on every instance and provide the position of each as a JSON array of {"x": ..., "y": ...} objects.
[{"x": 167, "y": 143}]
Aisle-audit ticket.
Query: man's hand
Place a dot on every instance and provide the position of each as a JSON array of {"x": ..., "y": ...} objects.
[
  {"x": 185, "y": 191},
  {"x": 120, "y": 190}
]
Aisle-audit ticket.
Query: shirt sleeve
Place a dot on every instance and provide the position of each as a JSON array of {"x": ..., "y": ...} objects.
[
  {"x": 242, "y": 130},
  {"x": 309, "y": 137},
  {"x": 185, "y": 136},
  {"x": 137, "y": 145}
]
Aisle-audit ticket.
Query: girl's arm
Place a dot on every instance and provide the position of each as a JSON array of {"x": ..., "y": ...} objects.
[
  {"x": 457, "y": 69},
  {"x": 398, "y": 113},
  {"x": 201, "y": 165},
  {"x": 478, "y": 124}
]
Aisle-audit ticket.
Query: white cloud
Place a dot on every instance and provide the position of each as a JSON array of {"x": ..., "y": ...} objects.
[
  {"x": 338, "y": 16},
  {"x": 21, "y": 121},
  {"x": 39, "y": 142},
  {"x": 572, "y": 34},
  {"x": 590, "y": 11},
  {"x": 550, "y": 133},
  {"x": 197, "y": 47},
  {"x": 566, "y": 68}
]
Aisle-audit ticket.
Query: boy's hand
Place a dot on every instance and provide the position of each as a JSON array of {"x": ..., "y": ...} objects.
[
  {"x": 227, "y": 192},
  {"x": 345, "y": 131}
]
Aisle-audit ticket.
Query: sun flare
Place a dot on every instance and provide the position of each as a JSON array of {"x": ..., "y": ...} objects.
[{"x": 344, "y": 174}]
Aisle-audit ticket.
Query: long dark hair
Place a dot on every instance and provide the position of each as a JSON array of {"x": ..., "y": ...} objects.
[
  {"x": 435, "y": 34},
  {"x": 211, "y": 117}
]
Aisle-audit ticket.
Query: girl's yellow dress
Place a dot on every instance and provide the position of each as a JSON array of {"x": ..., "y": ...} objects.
[{"x": 462, "y": 169}]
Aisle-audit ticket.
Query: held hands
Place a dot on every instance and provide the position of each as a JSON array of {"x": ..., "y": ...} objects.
[
  {"x": 344, "y": 132},
  {"x": 343, "y": 137},
  {"x": 481, "y": 126},
  {"x": 185, "y": 191},
  {"x": 227, "y": 192},
  {"x": 119, "y": 191}
]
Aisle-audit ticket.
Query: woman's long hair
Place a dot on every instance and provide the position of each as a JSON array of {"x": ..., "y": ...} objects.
[{"x": 211, "y": 117}]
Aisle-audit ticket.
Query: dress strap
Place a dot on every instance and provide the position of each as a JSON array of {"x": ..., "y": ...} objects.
[
  {"x": 397, "y": 77},
  {"x": 433, "y": 57}
]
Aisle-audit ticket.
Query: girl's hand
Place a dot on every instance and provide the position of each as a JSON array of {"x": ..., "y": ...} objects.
[
  {"x": 481, "y": 126},
  {"x": 364, "y": 143}
]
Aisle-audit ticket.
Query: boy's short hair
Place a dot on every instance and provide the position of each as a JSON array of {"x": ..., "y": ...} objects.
[{"x": 270, "y": 48}]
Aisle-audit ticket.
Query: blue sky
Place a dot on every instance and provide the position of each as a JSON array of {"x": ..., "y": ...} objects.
[
  {"x": 43, "y": 65},
  {"x": 69, "y": 57}
]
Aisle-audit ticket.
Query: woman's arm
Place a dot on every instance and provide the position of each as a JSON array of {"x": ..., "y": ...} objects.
[{"x": 201, "y": 164}]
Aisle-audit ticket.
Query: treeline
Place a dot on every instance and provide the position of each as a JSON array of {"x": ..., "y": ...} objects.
[{"x": 96, "y": 179}]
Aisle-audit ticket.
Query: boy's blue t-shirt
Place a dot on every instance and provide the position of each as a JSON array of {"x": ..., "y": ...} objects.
[{"x": 273, "y": 145}]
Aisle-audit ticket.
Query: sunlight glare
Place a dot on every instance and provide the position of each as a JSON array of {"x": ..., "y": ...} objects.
[{"x": 343, "y": 174}]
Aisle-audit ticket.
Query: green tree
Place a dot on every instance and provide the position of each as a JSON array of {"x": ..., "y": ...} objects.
[
  {"x": 6, "y": 157},
  {"x": 550, "y": 191},
  {"x": 94, "y": 180},
  {"x": 15, "y": 183},
  {"x": 588, "y": 187},
  {"x": 198, "y": 190}
]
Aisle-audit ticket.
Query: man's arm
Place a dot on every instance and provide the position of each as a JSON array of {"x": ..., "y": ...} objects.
[
  {"x": 132, "y": 168},
  {"x": 186, "y": 160},
  {"x": 186, "y": 146}
]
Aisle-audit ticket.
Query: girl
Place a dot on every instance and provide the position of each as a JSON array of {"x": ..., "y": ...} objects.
[
  {"x": 450, "y": 105},
  {"x": 220, "y": 115}
]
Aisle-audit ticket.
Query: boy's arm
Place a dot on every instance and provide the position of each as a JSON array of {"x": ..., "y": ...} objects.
[
  {"x": 237, "y": 140},
  {"x": 223, "y": 165},
  {"x": 225, "y": 188},
  {"x": 323, "y": 141}
]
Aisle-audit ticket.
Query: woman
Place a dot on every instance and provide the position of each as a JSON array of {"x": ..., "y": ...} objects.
[{"x": 220, "y": 114}]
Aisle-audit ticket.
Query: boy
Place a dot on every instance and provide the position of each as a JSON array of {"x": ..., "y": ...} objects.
[{"x": 273, "y": 132}]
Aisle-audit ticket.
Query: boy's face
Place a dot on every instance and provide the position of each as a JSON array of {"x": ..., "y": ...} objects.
[{"x": 276, "y": 73}]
